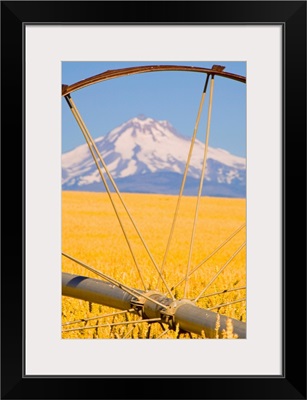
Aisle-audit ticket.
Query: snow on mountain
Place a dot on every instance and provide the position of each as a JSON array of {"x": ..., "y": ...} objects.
[{"x": 150, "y": 156}]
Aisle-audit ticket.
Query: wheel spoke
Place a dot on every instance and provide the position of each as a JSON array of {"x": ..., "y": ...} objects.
[
  {"x": 220, "y": 271},
  {"x": 210, "y": 255},
  {"x": 221, "y": 292},
  {"x": 163, "y": 333},
  {"x": 200, "y": 186},
  {"x": 93, "y": 148},
  {"x": 185, "y": 174},
  {"x": 90, "y": 143},
  {"x": 225, "y": 304},
  {"x": 129, "y": 331},
  {"x": 98, "y": 317},
  {"x": 112, "y": 324}
]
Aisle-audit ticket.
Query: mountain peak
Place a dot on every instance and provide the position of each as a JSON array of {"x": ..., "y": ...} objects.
[
  {"x": 144, "y": 119},
  {"x": 143, "y": 147},
  {"x": 141, "y": 117}
]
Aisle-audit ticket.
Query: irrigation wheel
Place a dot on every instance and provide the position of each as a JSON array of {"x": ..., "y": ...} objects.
[{"x": 184, "y": 278}]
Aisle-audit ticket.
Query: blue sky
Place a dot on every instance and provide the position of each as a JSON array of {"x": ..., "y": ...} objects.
[{"x": 172, "y": 96}]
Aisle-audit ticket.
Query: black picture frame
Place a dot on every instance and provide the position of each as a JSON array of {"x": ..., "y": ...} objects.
[{"x": 15, "y": 15}]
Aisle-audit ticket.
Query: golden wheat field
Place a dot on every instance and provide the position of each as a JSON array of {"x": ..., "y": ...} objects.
[{"x": 92, "y": 234}]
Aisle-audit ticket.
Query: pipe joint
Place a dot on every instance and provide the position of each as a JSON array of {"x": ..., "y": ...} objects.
[{"x": 168, "y": 315}]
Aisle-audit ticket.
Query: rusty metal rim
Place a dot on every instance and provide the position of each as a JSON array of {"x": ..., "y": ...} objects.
[{"x": 111, "y": 74}]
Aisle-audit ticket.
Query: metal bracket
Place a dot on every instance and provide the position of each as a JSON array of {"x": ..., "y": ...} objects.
[
  {"x": 167, "y": 315},
  {"x": 138, "y": 304}
]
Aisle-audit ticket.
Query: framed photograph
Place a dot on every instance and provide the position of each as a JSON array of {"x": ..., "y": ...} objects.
[{"x": 163, "y": 181}]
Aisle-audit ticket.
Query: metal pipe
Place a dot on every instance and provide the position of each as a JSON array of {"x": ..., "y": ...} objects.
[
  {"x": 197, "y": 320},
  {"x": 95, "y": 291},
  {"x": 186, "y": 314}
]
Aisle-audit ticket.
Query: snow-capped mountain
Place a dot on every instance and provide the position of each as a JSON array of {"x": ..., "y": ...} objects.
[{"x": 149, "y": 156}]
